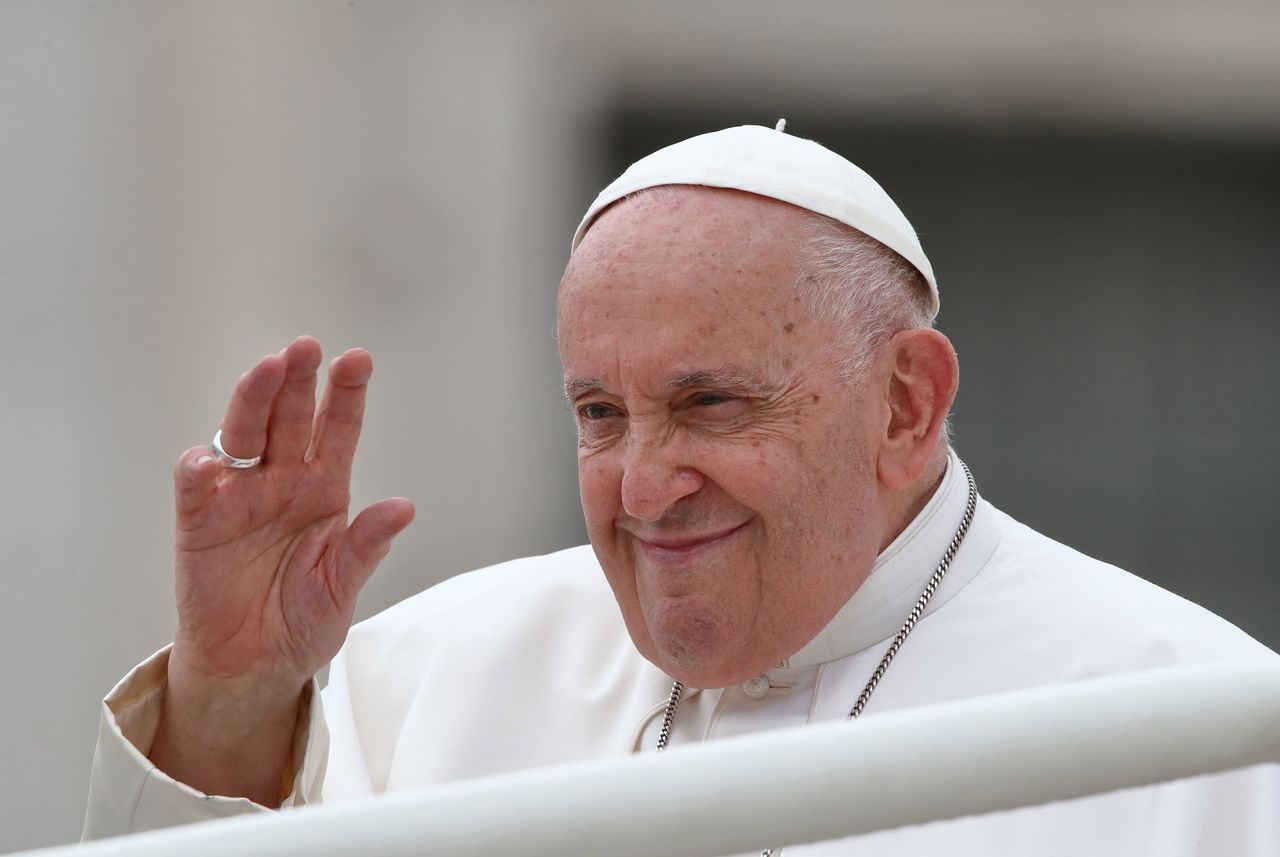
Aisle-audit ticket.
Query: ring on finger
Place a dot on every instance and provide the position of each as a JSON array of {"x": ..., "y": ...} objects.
[{"x": 226, "y": 459}]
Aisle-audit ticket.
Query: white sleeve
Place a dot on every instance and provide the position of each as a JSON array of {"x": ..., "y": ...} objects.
[
  {"x": 345, "y": 772},
  {"x": 129, "y": 794}
]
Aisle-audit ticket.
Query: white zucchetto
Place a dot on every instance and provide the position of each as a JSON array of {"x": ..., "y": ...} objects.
[{"x": 775, "y": 164}]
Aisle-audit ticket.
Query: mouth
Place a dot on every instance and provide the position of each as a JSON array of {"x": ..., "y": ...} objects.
[{"x": 677, "y": 550}]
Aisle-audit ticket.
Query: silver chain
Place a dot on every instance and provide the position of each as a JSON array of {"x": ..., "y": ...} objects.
[
  {"x": 971, "y": 505},
  {"x": 669, "y": 715}
]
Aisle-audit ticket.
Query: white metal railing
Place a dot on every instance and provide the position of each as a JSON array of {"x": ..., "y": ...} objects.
[{"x": 813, "y": 783}]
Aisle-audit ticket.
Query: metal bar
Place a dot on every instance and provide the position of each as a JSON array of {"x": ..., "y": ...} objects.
[{"x": 814, "y": 783}]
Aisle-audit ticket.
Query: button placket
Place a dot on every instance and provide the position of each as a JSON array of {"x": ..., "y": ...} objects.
[{"x": 756, "y": 688}]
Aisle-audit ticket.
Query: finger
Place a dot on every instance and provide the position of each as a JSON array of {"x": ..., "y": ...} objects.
[
  {"x": 289, "y": 431},
  {"x": 368, "y": 539},
  {"x": 195, "y": 478},
  {"x": 341, "y": 413},
  {"x": 244, "y": 426}
]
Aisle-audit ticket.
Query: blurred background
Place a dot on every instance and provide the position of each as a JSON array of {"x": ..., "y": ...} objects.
[{"x": 186, "y": 186}]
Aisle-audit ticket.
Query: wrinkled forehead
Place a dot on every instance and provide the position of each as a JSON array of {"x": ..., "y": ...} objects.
[
  {"x": 683, "y": 278},
  {"x": 684, "y": 230}
]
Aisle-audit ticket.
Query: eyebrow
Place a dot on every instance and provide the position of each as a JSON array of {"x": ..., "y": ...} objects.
[
  {"x": 724, "y": 378},
  {"x": 575, "y": 387}
]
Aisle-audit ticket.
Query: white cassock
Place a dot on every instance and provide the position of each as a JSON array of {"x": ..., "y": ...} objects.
[{"x": 528, "y": 664}]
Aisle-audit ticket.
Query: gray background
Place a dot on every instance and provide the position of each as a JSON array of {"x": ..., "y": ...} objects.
[{"x": 186, "y": 186}]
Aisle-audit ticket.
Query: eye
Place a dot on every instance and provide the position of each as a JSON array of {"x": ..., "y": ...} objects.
[
  {"x": 711, "y": 407},
  {"x": 598, "y": 424},
  {"x": 596, "y": 411}
]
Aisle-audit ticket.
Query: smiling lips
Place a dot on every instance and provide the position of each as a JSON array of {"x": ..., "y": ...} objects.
[{"x": 673, "y": 551}]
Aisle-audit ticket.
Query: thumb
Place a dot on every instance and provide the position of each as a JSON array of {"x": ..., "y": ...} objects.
[
  {"x": 195, "y": 478},
  {"x": 368, "y": 538}
]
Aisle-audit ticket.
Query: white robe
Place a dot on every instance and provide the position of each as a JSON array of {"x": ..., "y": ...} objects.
[{"x": 528, "y": 664}]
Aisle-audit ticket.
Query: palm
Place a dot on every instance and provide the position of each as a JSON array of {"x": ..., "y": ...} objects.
[{"x": 268, "y": 568}]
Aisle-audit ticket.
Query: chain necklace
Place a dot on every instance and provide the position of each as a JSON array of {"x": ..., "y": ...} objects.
[{"x": 677, "y": 688}]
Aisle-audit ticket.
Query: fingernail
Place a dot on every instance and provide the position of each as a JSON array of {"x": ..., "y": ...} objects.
[{"x": 204, "y": 459}]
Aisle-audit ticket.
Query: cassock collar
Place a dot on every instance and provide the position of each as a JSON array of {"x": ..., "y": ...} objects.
[{"x": 880, "y": 606}]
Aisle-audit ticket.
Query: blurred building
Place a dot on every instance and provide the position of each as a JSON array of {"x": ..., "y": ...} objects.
[{"x": 189, "y": 185}]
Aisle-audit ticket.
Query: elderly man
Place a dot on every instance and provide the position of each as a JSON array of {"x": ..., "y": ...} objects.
[{"x": 745, "y": 325}]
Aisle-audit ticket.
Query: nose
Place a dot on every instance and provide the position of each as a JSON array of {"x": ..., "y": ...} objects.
[{"x": 655, "y": 475}]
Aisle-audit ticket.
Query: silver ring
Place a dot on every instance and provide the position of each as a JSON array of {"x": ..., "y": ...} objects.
[{"x": 226, "y": 459}]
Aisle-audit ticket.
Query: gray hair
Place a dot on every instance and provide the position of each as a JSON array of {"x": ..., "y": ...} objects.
[{"x": 867, "y": 290}]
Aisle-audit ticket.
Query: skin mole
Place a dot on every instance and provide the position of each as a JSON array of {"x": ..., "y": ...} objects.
[{"x": 789, "y": 326}]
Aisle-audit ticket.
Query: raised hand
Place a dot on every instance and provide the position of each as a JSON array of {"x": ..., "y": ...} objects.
[{"x": 268, "y": 568}]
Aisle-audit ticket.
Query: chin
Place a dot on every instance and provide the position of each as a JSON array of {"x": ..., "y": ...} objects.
[{"x": 693, "y": 644}]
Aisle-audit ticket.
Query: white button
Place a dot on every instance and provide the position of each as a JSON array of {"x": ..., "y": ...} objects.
[{"x": 756, "y": 688}]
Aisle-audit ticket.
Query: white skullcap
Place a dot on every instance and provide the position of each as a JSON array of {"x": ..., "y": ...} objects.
[{"x": 775, "y": 164}]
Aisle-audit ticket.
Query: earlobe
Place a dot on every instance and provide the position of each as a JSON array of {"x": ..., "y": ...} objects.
[{"x": 923, "y": 374}]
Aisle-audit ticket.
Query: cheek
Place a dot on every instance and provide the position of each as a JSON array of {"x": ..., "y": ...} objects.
[
  {"x": 812, "y": 497},
  {"x": 600, "y": 488},
  {"x": 763, "y": 476}
]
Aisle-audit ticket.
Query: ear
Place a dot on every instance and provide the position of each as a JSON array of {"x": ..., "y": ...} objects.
[{"x": 922, "y": 374}]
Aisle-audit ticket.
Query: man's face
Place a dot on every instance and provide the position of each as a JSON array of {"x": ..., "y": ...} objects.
[{"x": 727, "y": 471}]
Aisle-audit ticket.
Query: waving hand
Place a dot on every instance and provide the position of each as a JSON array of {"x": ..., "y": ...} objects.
[{"x": 268, "y": 568}]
